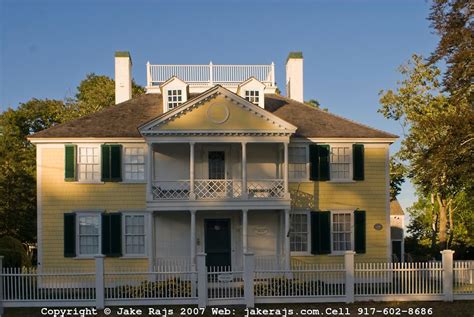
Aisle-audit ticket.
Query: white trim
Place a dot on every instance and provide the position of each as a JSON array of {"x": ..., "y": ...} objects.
[
  {"x": 99, "y": 154},
  {"x": 39, "y": 205},
  {"x": 341, "y": 211},
  {"x": 306, "y": 147},
  {"x": 145, "y": 233},
  {"x": 307, "y": 212},
  {"x": 351, "y": 163},
  {"x": 85, "y": 140},
  {"x": 344, "y": 140},
  {"x": 78, "y": 249}
]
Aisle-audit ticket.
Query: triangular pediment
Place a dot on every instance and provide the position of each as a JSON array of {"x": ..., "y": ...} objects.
[{"x": 217, "y": 111}]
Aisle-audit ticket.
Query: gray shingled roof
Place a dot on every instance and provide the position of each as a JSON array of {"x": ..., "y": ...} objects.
[{"x": 123, "y": 120}]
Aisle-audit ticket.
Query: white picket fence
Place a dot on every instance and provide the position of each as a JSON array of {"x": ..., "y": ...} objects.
[{"x": 169, "y": 284}]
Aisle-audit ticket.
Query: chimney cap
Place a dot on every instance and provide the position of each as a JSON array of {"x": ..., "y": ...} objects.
[
  {"x": 298, "y": 55},
  {"x": 122, "y": 54}
]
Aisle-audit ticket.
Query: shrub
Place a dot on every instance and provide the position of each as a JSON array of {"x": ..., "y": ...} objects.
[{"x": 13, "y": 252}]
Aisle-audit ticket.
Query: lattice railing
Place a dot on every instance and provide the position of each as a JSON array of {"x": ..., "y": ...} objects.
[
  {"x": 266, "y": 188},
  {"x": 218, "y": 188},
  {"x": 173, "y": 190}
]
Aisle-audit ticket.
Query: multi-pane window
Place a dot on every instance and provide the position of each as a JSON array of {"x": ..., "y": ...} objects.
[
  {"x": 89, "y": 234},
  {"x": 134, "y": 234},
  {"x": 88, "y": 164},
  {"x": 134, "y": 163},
  {"x": 341, "y": 232},
  {"x": 253, "y": 96},
  {"x": 175, "y": 98},
  {"x": 340, "y": 163},
  {"x": 299, "y": 232},
  {"x": 297, "y": 162}
]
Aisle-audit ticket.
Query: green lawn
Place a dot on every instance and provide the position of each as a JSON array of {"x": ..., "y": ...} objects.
[{"x": 441, "y": 309}]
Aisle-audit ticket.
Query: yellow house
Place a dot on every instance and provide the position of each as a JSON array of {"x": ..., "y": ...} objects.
[{"x": 211, "y": 159}]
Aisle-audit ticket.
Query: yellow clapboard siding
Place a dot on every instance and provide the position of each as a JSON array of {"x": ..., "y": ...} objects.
[{"x": 59, "y": 197}]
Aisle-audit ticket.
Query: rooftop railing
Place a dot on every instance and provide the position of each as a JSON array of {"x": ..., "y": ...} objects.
[{"x": 198, "y": 75}]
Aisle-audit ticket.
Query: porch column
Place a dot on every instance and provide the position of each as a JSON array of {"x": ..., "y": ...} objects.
[
  {"x": 193, "y": 238},
  {"x": 191, "y": 171},
  {"x": 244, "y": 170},
  {"x": 149, "y": 167},
  {"x": 244, "y": 230},
  {"x": 285, "y": 168},
  {"x": 287, "y": 239}
]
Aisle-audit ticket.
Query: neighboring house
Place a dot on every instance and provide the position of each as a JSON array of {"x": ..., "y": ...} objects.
[
  {"x": 397, "y": 225},
  {"x": 211, "y": 159}
]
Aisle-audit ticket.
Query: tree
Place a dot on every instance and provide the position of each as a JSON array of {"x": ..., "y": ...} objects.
[
  {"x": 95, "y": 93},
  {"x": 315, "y": 103},
  {"x": 397, "y": 177},
  {"x": 452, "y": 21},
  {"x": 439, "y": 143}
]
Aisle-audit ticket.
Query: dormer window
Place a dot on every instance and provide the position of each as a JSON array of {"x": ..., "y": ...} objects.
[
  {"x": 253, "y": 96},
  {"x": 175, "y": 98}
]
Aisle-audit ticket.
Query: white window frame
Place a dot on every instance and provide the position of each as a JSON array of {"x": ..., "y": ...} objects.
[
  {"x": 142, "y": 146},
  {"x": 145, "y": 234},
  {"x": 78, "y": 246},
  {"x": 333, "y": 212},
  {"x": 351, "y": 167},
  {"x": 306, "y": 146},
  {"x": 308, "y": 243},
  {"x": 168, "y": 96},
  {"x": 256, "y": 95},
  {"x": 98, "y": 148}
]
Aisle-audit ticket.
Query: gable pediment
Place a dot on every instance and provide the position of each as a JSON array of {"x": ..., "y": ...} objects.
[{"x": 218, "y": 111}]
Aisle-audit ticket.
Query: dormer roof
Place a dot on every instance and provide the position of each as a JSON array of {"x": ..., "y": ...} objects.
[{"x": 173, "y": 79}]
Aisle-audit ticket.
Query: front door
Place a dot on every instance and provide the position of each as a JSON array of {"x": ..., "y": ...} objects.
[
  {"x": 217, "y": 242},
  {"x": 216, "y": 165}
]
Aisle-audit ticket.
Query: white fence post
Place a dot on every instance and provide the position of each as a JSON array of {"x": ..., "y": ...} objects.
[
  {"x": 249, "y": 269},
  {"x": 99, "y": 282},
  {"x": 447, "y": 260},
  {"x": 202, "y": 279},
  {"x": 1, "y": 286},
  {"x": 349, "y": 278}
]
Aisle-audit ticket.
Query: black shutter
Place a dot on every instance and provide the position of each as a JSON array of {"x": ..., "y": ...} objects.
[
  {"x": 358, "y": 161},
  {"x": 112, "y": 234},
  {"x": 70, "y": 162},
  {"x": 69, "y": 235},
  {"x": 111, "y": 163},
  {"x": 320, "y": 232},
  {"x": 359, "y": 231},
  {"x": 319, "y": 162}
]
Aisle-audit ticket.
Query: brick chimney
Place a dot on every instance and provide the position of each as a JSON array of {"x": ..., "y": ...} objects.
[
  {"x": 123, "y": 77},
  {"x": 294, "y": 76}
]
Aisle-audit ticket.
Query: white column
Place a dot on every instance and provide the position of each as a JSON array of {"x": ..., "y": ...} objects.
[
  {"x": 99, "y": 282},
  {"x": 249, "y": 270},
  {"x": 149, "y": 166},
  {"x": 193, "y": 238},
  {"x": 349, "y": 271},
  {"x": 244, "y": 230},
  {"x": 244, "y": 170},
  {"x": 447, "y": 261},
  {"x": 191, "y": 171},
  {"x": 202, "y": 280},
  {"x": 285, "y": 168},
  {"x": 287, "y": 239}
]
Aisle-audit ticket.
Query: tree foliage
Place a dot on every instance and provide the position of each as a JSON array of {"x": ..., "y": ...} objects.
[
  {"x": 439, "y": 135},
  {"x": 17, "y": 155},
  {"x": 397, "y": 177},
  {"x": 452, "y": 21},
  {"x": 315, "y": 103}
]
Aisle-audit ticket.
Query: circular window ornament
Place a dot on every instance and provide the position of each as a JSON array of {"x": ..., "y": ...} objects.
[
  {"x": 378, "y": 226},
  {"x": 218, "y": 113}
]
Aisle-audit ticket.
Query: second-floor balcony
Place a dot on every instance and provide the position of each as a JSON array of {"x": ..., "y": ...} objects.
[{"x": 222, "y": 171}]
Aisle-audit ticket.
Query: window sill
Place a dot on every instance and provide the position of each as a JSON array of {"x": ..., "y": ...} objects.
[
  {"x": 300, "y": 253},
  {"x": 134, "y": 182},
  {"x": 338, "y": 253},
  {"x": 342, "y": 181},
  {"x": 88, "y": 183},
  {"x": 85, "y": 257},
  {"x": 142, "y": 256}
]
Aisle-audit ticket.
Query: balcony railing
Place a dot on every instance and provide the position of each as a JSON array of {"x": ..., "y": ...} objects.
[
  {"x": 217, "y": 189},
  {"x": 211, "y": 74}
]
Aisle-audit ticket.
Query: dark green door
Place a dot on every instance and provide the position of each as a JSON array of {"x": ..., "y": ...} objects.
[{"x": 217, "y": 242}]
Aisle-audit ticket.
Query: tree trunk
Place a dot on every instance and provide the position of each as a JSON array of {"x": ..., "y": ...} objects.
[
  {"x": 434, "y": 223},
  {"x": 443, "y": 222},
  {"x": 451, "y": 222}
]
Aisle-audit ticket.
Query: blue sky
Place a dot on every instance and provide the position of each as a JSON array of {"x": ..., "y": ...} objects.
[{"x": 351, "y": 48}]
